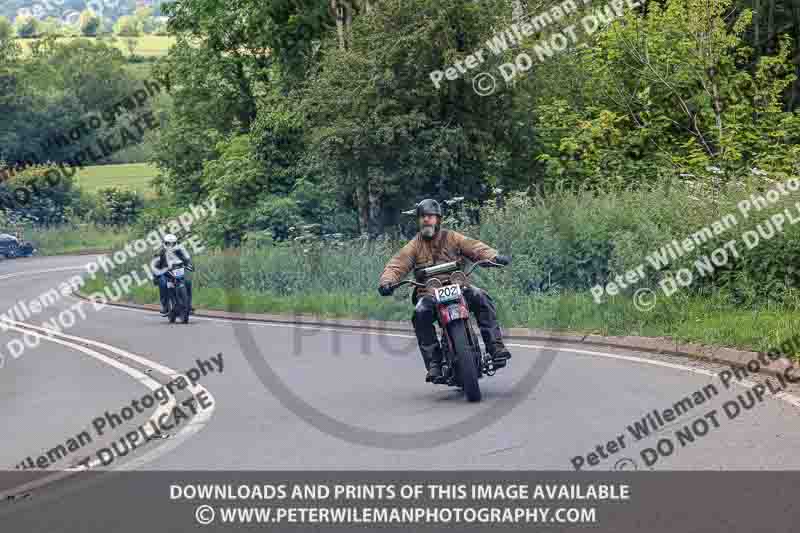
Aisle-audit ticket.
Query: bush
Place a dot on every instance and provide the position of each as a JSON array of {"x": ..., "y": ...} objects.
[
  {"x": 27, "y": 27},
  {"x": 116, "y": 207},
  {"x": 42, "y": 194},
  {"x": 6, "y": 30},
  {"x": 89, "y": 23},
  {"x": 128, "y": 26}
]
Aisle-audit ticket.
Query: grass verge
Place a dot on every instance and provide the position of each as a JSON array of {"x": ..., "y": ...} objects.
[
  {"x": 65, "y": 240},
  {"x": 688, "y": 319}
]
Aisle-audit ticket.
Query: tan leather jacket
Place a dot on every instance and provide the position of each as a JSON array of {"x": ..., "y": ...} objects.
[{"x": 445, "y": 246}]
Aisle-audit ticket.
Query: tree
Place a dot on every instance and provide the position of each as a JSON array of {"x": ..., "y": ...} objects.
[
  {"x": 116, "y": 207},
  {"x": 27, "y": 27},
  {"x": 127, "y": 26},
  {"x": 383, "y": 131},
  {"x": 6, "y": 30},
  {"x": 256, "y": 32},
  {"x": 88, "y": 23},
  {"x": 131, "y": 43},
  {"x": 51, "y": 26},
  {"x": 46, "y": 95},
  {"x": 144, "y": 17}
]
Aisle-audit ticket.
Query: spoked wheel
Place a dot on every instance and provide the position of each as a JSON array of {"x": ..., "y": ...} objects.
[{"x": 465, "y": 355}]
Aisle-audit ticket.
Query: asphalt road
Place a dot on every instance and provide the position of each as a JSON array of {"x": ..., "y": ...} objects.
[{"x": 52, "y": 392}]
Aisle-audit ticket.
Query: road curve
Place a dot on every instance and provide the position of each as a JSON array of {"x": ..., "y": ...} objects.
[{"x": 585, "y": 399}]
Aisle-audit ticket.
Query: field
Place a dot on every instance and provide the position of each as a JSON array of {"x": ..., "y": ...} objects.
[
  {"x": 133, "y": 177},
  {"x": 148, "y": 45}
]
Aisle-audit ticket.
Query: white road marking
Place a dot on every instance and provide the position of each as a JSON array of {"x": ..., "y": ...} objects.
[
  {"x": 744, "y": 383},
  {"x": 45, "y": 271},
  {"x": 343, "y": 329},
  {"x": 784, "y": 396},
  {"x": 195, "y": 425}
]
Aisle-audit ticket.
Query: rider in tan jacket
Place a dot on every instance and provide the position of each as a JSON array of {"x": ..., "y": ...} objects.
[{"x": 434, "y": 246}]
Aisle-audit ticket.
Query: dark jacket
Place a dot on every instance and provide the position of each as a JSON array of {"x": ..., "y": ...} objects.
[{"x": 161, "y": 257}]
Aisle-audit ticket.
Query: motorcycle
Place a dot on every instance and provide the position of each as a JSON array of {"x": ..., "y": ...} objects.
[
  {"x": 463, "y": 362},
  {"x": 178, "y": 301}
]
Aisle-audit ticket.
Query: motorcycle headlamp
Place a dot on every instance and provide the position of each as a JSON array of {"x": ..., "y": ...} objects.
[
  {"x": 458, "y": 278},
  {"x": 433, "y": 283}
]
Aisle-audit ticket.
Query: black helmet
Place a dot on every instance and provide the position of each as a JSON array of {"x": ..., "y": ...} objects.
[{"x": 429, "y": 207}]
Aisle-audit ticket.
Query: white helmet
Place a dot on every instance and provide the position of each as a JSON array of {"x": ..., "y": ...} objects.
[{"x": 170, "y": 240}]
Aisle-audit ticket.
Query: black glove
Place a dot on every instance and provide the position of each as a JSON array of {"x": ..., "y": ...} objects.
[
  {"x": 502, "y": 259},
  {"x": 385, "y": 290}
]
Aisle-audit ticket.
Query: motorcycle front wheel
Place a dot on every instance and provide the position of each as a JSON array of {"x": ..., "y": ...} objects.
[
  {"x": 465, "y": 355},
  {"x": 173, "y": 306},
  {"x": 172, "y": 311},
  {"x": 182, "y": 297}
]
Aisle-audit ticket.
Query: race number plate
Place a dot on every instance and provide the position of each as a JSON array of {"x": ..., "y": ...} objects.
[
  {"x": 178, "y": 272},
  {"x": 448, "y": 293}
]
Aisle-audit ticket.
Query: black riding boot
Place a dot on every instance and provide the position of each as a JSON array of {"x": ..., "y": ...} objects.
[
  {"x": 426, "y": 337},
  {"x": 163, "y": 295},
  {"x": 434, "y": 364},
  {"x": 482, "y": 306}
]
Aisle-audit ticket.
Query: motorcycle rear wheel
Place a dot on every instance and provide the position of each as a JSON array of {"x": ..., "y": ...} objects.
[{"x": 465, "y": 355}]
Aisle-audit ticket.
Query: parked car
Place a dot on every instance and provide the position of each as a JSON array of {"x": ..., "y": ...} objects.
[{"x": 11, "y": 247}]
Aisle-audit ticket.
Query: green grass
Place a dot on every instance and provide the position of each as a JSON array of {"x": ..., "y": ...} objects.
[
  {"x": 131, "y": 177},
  {"x": 332, "y": 305},
  {"x": 66, "y": 240},
  {"x": 560, "y": 249},
  {"x": 147, "y": 46},
  {"x": 273, "y": 282},
  {"x": 150, "y": 45}
]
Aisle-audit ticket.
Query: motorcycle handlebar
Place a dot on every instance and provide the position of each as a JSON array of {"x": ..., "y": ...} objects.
[
  {"x": 181, "y": 265},
  {"x": 484, "y": 262},
  {"x": 406, "y": 282}
]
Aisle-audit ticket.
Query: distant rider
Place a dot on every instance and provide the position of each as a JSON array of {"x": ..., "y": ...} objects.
[
  {"x": 169, "y": 254},
  {"x": 434, "y": 246}
]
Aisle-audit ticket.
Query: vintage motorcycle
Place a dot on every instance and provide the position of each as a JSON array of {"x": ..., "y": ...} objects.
[
  {"x": 463, "y": 362},
  {"x": 178, "y": 300}
]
